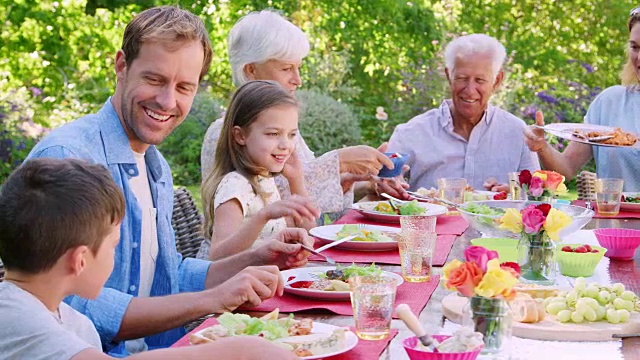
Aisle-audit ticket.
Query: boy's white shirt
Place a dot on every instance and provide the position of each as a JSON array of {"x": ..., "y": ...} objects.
[{"x": 31, "y": 331}]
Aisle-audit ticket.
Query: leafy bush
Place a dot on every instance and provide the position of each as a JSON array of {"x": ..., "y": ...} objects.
[
  {"x": 18, "y": 132},
  {"x": 325, "y": 123},
  {"x": 182, "y": 147}
]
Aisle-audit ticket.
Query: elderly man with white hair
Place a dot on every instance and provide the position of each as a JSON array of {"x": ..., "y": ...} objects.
[
  {"x": 263, "y": 45},
  {"x": 466, "y": 137}
]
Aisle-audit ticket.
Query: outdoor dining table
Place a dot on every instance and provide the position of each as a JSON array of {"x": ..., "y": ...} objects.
[{"x": 626, "y": 272}]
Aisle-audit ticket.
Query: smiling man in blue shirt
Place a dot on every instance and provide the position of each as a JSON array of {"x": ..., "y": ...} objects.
[{"x": 152, "y": 290}]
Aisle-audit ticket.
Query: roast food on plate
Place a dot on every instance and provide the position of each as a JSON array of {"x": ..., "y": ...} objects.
[
  {"x": 408, "y": 208},
  {"x": 619, "y": 137},
  {"x": 337, "y": 279},
  {"x": 362, "y": 234},
  {"x": 290, "y": 333}
]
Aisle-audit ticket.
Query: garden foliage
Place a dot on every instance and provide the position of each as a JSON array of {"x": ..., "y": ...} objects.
[{"x": 364, "y": 54}]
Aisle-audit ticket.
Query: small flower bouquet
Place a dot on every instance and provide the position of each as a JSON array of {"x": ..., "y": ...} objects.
[
  {"x": 542, "y": 184},
  {"x": 481, "y": 274},
  {"x": 539, "y": 227},
  {"x": 488, "y": 284}
]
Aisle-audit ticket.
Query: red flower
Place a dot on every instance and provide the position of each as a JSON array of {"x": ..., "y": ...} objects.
[
  {"x": 545, "y": 208},
  {"x": 511, "y": 267},
  {"x": 525, "y": 177}
]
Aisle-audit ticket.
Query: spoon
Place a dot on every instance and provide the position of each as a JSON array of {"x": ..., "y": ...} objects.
[{"x": 405, "y": 314}]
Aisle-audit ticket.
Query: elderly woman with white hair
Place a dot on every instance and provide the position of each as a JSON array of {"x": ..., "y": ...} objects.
[
  {"x": 265, "y": 46},
  {"x": 616, "y": 106},
  {"x": 466, "y": 137}
]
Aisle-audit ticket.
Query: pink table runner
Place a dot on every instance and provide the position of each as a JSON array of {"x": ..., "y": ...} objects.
[
  {"x": 416, "y": 295},
  {"x": 365, "y": 349},
  {"x": 621, "y": 215},
  {"x": 446, "y": 225},
  {"x": 443, "y": 247}
]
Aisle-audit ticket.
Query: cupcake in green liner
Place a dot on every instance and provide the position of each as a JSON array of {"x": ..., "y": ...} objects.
[{"x": 578, "y": 262}]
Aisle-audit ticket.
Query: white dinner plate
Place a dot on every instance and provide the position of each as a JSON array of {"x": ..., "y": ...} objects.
[
  {"x": 312, "y": 273},
  {"x": 565, "y": 131},
  {"x": 366, "y": 209},
  {"x": 351, "y": 340},
  {"x": 630, "y": 206},
  {"x": 328, "y": 234}
]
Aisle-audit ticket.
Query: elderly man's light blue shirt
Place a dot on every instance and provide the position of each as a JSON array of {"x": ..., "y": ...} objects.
[
  {"x": 495, "y": 148},
  {"x": 617, "y": 106},
  {"x": 101, "y": 139}
]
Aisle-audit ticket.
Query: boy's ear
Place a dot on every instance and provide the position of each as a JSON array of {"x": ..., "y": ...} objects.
[
  {"x": 239, "y": 135},
  {"x": 78, "y": 259}
]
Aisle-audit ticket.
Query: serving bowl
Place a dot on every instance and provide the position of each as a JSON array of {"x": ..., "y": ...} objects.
[
  {"x": 488, "y": 224},
  {"x": 411, "y": 343},
  {"x": 575, "y": 264},
  {"x": 398, "y": 160},
  {"x": 621, "y": 244}
]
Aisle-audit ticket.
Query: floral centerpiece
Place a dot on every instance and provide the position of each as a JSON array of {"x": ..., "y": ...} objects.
[
  {"x": 539, "y": 227},
  {"x": 542, "y": 185},
  {"x": 488, "y": 284}
]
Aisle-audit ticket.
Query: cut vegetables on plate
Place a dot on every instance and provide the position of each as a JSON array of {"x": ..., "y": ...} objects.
[{"x": 370, "y": 237}]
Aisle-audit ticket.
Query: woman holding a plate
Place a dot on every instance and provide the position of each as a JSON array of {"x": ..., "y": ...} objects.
[{"x": 615, "y": 107}]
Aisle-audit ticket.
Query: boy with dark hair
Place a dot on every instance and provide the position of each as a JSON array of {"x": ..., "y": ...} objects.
[{"x": 59, "y": 227}]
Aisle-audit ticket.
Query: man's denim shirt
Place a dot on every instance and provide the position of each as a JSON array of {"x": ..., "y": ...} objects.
[{"x": 101, "y": 139}]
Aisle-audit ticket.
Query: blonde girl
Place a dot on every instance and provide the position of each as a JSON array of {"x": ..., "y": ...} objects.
[{"x": 242, "y": 205}]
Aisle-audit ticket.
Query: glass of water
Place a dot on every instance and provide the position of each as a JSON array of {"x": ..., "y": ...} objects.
[
  {"x": 452, "y": 189},
  {"x": 372, "y": 299},
  {"x": 608, "y": 194},
  {"x": 416, "y": 243}
]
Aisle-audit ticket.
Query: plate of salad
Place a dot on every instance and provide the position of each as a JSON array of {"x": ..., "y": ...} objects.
[
  {"x": 630, "y": 201},
  {"x": 329, "y": 282},
  {"x": 368, "y": 237},
  {"x": 305, "y": 338},
  {"x": 390, "y": 212}
]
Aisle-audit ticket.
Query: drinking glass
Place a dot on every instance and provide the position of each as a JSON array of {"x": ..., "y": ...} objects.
[
  {"x": 452, "y": 189},
  {"x": 372, "y": 299},
  {"x": 416, "y": 254},
  {"x": 608, "y": 193},
  {"x": 514, "y": 186}
]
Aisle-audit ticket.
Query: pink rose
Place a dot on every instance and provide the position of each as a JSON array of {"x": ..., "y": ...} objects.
[
  {"x": 536, "y": 188},
  {"x": 532, "y": 219},
  {"x": 480, "y": 256}
]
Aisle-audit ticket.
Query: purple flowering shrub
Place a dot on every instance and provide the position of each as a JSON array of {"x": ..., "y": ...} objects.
[{"x": 18, "y": 131}]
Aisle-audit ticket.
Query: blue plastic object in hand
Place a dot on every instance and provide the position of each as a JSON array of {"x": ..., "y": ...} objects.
[{"x": 399, "y": 160}]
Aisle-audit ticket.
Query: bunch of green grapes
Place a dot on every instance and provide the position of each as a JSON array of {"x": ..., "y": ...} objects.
[{"x": 593, "y": 302}]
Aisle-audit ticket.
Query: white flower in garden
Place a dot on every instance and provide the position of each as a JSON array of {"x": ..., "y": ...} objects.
[{"x": 380, "y": 114}]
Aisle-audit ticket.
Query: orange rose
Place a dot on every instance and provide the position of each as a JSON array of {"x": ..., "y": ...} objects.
[
  {"x": 553, "y": 179},
  {"x": 464, "y": 278}
]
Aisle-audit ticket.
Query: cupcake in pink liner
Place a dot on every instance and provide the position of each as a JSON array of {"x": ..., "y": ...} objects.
[
  {"x": 448, "y": 347},
  {"x": 621, "y": 244}
]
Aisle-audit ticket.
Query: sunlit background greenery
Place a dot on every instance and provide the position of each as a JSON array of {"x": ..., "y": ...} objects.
[{"x": 56, "y": 63}]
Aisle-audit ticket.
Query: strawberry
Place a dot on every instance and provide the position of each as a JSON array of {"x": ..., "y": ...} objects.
[
  {"x": 500, "y": 196},
  {"x": 594, "y": 251},
  {"x": 567, "y": 248},
  {"x": 581, "y": 249},
  {"x": 587, "y": 247}
]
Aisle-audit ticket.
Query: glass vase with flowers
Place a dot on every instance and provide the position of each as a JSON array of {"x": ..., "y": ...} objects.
[
  {"x": 539, "y": 227},
  {"x": 488, "y": 284},
  {"x": 542, "y": 185}
]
